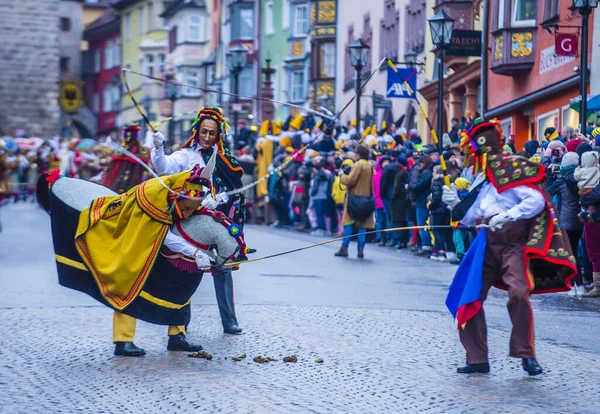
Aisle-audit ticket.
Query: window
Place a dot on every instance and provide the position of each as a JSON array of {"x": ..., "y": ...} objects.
[
  {"x": 501, "y": 12},
  {"x": 108, "y": 55},
  {"x": 551, "y": 9},
  {"x": 195, "y": 29},
  {"x": 96, "y": 61},
  {"x": 107, "y": 99},
  {"x": 269, "y": 29},
  {"x": 297, "y": 86},
  {"x": 65, "y": 24},
  {"x": 570, "y": 117},
  {"x": 547, "y": 120},
  {"x": 127, "y": 27},
  {"x": 524, "y": 13},
  {"x": 165, "y": 21},
  {"x": 506, "y": 125},
  {"x": 150, "y": 16},
  {"x": 96, "y": 103},
  {"x": 327, "y": 60},
  {"x": 149, "y": 63},
  {"x": 301, "y": 20},
  {"x": 246, "y": 24},
  {"x": 285, "y": 14},
  {"x": 64, "y": 63},
  {"x": 161, "y": 63},
  {"x": 246, "y": 85},
  {"x": 116, "y": 98},
  {"x": 192, "y": 78},
  {"x": 141, "y": 20},
  {"x": 117, "y": 53}
]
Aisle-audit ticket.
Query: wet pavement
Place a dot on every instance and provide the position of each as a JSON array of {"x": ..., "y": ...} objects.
[{"x": 387, "y": 342}]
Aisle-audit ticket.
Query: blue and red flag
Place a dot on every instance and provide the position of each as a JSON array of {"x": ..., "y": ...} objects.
[{"x": 464, "y": 294}]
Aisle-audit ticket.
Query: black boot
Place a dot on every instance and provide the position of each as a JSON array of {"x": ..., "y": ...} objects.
[
  {"x": 179, "y": 342},
  {"x": 475, "y": 369},
  {"x": 233, "y": 330},
  {"x": 531, "y": 366},
  {"x": 128, "y": 349},
  {"x": 343, "y": 252}
]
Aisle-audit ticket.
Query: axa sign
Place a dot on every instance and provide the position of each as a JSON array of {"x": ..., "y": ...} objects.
[
  {"x": 395, "y": 83},
  {"x": 565, "y": 44}
]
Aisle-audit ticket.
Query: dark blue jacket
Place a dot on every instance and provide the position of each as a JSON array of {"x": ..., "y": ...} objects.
[{"x": 421, "y": 188}]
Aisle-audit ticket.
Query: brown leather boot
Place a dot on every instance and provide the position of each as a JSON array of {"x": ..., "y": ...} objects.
[
  {"x": 343, "y": 252},
  {"x": 595, "y": 292},
  {"x": 361, "y": 254}
]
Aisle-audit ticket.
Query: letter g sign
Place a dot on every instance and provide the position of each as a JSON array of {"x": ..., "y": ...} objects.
[{"x": 565, "y": 44}]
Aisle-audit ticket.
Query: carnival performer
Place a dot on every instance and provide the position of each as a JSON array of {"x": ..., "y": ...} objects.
[
  {"x": 209, "y": 130},
  {"x": 119, "y": 238},
  {"x": 124, "y": 172},
  {"x": 524, "y": 250}
]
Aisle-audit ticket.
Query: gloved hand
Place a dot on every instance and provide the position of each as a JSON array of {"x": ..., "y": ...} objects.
[
  {"x": 498, "y": 220},
  {"x": 222, "y": 197},
  {"x": 210, "y": 203},
  {"x": 450, "y": 196},
  {"x": 158, "y": 139},
  {"x": 203, "y": 260}
]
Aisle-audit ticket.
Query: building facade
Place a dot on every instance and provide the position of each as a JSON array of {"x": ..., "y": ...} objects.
[
  {"x": 274, "y": 29},
  {"x": 102, "y": 73},
  {"x": 379, "y": 24},
  {"x": 189, "y": 46},
  {"x": 28, "y": 78},
  {"x": 144, "y": 40},
  {"x": 528, "y": 87}
]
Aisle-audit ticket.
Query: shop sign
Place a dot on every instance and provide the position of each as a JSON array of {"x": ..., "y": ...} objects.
[
  {"x": 565, "y": 44},
  {"x": 549, "y": 61},
  {"x": 465, "y": 43},
  {"x": 395, "y": 83}
]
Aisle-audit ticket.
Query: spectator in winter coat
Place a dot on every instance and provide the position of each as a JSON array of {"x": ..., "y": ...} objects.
[
  {"x": 380, "y": 216},
  {"x": 531, "y": 147},
  {"x": 398, "y": 202},
  {"x": 440, "y": 216},
  {"x": 385, "y": 190},
  {"x": 564, "y": 186},
  {"x": 320, "y": 193},
  {"x": 420, "y": 188}
]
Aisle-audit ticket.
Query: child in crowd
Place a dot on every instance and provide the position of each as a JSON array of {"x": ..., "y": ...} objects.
[
  {"x": 440, "y": 216},
  {"x": 459, "y": 235},
  {"x": 588, "y": 177}
]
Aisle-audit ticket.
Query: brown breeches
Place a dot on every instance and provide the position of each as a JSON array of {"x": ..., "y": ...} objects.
[{"x": 504, "y": 262}]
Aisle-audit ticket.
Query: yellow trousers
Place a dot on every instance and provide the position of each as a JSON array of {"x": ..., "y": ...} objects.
[{"x": 124, "y": 328}]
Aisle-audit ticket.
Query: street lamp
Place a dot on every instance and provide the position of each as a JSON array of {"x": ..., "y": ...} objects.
[
  {"x": 236, "y": 61},
  {"x": 359, "y": 53},
  {"x": 585, "y": 9},
  {"x": 441, "y": 26}
]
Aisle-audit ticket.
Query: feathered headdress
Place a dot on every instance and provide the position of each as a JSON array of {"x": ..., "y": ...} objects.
[
  {"x": 478, "y": 139},
  {"x": 213, "y": 113}
]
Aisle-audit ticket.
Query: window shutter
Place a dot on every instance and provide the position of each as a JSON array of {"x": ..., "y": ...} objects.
[{"x": 172, "y": 39}]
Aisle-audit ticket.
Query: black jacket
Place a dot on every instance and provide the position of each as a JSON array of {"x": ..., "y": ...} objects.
[
  {"x": 565, "y": 187},
  {"x": 386, "y": 186},
  {"x": 437, "y": 206},
  {"x": 420, "y": 188}
]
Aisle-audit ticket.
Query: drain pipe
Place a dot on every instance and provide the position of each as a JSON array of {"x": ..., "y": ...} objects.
[{"x": 484, "y": 58}]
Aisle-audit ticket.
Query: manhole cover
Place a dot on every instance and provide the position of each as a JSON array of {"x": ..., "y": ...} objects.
[{"x": 286, "y": 275}]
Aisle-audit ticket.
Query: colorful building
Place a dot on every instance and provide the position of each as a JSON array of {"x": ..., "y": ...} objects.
[
  {"x": 144, "y": 39},
  {"x": 462, "y": 77},
  {"x": 274, "y": 30},
  {"x": 102, "y": 72},
  {"x": 189, "y": 46},
  {"x": 528, "y": 87}
]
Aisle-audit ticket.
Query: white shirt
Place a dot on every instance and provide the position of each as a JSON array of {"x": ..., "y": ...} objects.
[
  {"x": 179, "y": 161},
  {"x": 520, "y": 202}
]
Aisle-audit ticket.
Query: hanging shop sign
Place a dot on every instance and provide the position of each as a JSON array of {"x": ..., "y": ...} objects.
[
  {"x": 465, "y": 43},
  {"x": 565, "y": 44}
]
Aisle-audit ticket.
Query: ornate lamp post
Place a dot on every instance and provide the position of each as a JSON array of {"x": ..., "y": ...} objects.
[
  {"x": 585, "y": 9},
  {"x": 359, "y": 53},
  {"x": 441, "y": 26},
  {"x": 236, "y": 61}
]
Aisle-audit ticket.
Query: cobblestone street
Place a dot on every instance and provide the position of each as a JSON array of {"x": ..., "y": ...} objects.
[{"x": 387, "y": 342}]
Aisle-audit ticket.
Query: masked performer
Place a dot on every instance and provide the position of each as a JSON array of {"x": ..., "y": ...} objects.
[
  {"x": 121, "y": 240},
  {"x": 209, "y": 130},
  {"x": 524, "y": 251},
  {"x": 123, "y": 172}
]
